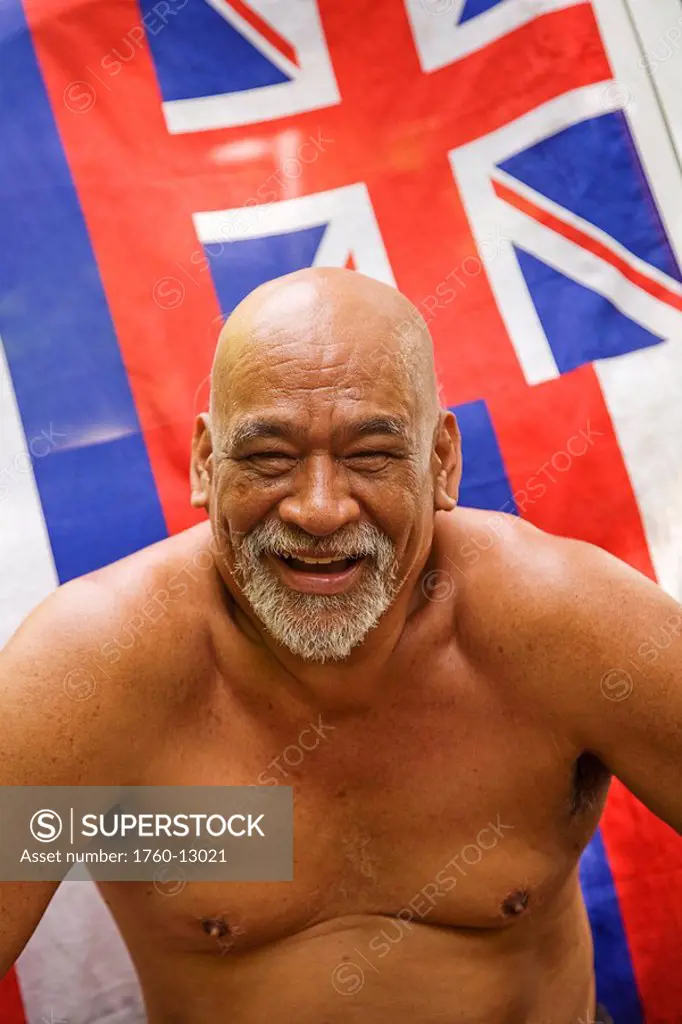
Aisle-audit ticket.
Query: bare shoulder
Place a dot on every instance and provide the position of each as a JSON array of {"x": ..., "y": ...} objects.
[
  {"x": 491, "y": 553},
  {"x": 91, "y": 672},
  {"x": 521, "y": 589},
  {"x": 156, "y": 601}
]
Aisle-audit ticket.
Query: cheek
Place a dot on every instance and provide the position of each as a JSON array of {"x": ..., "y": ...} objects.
[
  {"x": 397, "y": 505},
  {"x": 240, "y": 502},
  {"x": 411, "y": 488},
  {"x": 417, "y": 509}
]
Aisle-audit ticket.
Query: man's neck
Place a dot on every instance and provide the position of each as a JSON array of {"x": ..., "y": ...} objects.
[{"x": 349, "y": 684}]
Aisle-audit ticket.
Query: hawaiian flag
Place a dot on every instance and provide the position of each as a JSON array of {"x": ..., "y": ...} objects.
[{"x": 508, "y": 164}]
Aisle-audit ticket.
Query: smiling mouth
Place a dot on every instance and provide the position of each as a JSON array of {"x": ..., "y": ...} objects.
[{"x": 319, "y": 566}]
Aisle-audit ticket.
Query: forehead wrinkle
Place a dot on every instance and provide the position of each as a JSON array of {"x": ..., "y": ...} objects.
[
  {"x": 277, "y": 363},
  {"x": 255, "y": 379}
]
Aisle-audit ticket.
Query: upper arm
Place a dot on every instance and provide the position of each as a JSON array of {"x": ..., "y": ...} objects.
[
  {"x": 59, "y": 700},
  {"x": 604, "y": 657},
  {"x": 61, "y": 721}
]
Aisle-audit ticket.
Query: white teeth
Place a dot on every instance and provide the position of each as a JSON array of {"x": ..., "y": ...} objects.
[{"x": 319, "y": 561}]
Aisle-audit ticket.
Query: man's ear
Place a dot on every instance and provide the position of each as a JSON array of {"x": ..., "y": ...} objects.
[
  {"x": 448, "y": 460},
  {"x": 201, "y": 467}
]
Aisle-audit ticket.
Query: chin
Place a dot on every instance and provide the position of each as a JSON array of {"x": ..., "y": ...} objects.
[
  {"x": 313, "y": 651},
  {"x": 317, "y": 632},
  {"x": 319, "y": 628}
]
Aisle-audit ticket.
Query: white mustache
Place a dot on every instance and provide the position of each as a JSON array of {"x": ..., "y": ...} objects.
[{"x": 272, "y": 539}]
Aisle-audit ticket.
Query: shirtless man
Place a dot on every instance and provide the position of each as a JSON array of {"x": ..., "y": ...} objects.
[{"x": 448, "y": 679}]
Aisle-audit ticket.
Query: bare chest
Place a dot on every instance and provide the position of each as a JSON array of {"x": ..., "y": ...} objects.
[{"x": 459, "y": 810}]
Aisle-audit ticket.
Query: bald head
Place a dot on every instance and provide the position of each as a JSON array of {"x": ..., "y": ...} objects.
[{"x": 344, "y": 325}]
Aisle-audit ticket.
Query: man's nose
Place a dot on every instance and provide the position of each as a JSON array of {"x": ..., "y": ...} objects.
[{"x": 321, "y": 501}]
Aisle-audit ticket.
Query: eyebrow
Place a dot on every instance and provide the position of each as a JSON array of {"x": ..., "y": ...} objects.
[{"x": 253, "y": 430}]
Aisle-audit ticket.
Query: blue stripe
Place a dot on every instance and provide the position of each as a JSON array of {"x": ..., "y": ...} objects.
[
  {"x": 484, "y": 479},
  {"x": 96, "y": 486},
  {"x": 616, "y": 986}
]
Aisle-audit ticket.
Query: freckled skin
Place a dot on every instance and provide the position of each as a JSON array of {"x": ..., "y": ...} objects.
[{"x": 441, "y": 810}]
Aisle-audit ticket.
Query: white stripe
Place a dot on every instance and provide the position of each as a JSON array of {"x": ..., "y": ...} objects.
[
  {"x": 659, "y": 26},
  {"x": 490, "y": 217},
  {"x": 76, "y": 967},
  {"x": 28, "y": 571},
  {"x": 440, "y": 40},
  {"x": 334, "y": 249},
  {"x": 242, "y": 222},
  {"x": 348, "y": 213},
  {"x": 538, "y": 124},
  {"x": 642, "y": 392},
  {"x": 644, "y": 115}
]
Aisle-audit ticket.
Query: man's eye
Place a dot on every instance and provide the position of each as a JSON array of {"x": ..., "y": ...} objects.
[
  {"x": 269, "y": 457},
  {"x": 370, "y": 458},
  {"x": 270, "y": 463}
]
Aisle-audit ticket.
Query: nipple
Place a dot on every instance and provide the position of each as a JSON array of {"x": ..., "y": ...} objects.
[
  {"x": 215, "y": 927},
  {"x": 515, "y": 903}
]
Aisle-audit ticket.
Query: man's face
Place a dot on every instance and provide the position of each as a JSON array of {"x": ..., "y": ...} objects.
[{"x": 320, "y": 490}]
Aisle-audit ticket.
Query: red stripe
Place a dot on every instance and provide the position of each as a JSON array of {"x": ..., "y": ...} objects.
[
  {"x": 588, "y": 496},
  {"x": 434, "y": 258},
  {"x": 645, "y": 857},
  {"x": 574, "y": 234},
  {"x": 11, "y": 1004},
  {"x": 265, "y": 30}
]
